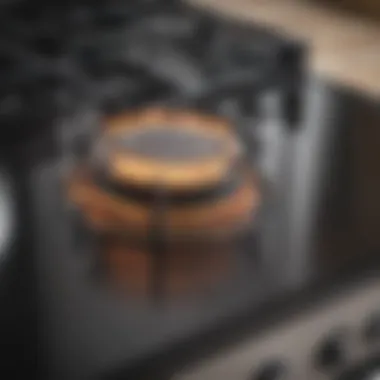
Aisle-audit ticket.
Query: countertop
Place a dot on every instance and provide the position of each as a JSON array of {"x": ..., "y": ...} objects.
[{"x": 344, "y": 47}]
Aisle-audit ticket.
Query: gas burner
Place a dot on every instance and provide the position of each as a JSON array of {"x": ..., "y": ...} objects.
[{"x": 166, "y": 189}]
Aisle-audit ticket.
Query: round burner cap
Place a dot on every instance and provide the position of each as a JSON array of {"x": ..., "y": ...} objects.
[
  {"x": 168, "y": 149},
  {"x": 164, "y": 143}
]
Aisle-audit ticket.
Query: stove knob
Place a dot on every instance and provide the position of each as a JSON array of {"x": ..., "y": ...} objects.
[
  {"x": 274, "y": 370},
  {"x": 330, "y": 353},
  {"x": 372, "y": 328},
  {"x": 369, "y": 370}
]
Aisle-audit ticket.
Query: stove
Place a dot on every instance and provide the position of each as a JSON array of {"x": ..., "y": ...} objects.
[{"x": 303, "y": 299}]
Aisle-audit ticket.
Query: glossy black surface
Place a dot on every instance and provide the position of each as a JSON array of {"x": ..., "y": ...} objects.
[
  {"x": 19, "y": 316},
  {"x": 319, "y": 224},
  {"x": 35, "y": 98}
]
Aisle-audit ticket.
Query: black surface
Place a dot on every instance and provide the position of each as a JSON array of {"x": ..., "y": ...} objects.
[
  {"x": 330, "y": 352},
  {"x": 146, "y": 197},
  {"x": 142, "y": 52},
  {"x": 19, "y": 318}
]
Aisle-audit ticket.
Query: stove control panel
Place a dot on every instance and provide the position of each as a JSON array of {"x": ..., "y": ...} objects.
[{"x": 321, "y": 343}]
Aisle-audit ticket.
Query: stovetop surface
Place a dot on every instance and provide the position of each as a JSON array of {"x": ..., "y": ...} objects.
[{"x": 317, "y": 224}]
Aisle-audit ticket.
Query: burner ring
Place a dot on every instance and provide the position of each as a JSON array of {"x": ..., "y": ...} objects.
[
  {"x": 219, "y": 218},
  {"x": 167, "y": 149},
  {"x": 169, "y": 205}
]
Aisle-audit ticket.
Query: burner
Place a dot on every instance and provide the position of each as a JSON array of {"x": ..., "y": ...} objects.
[
  {"x": 170, "y": 150},
  {"x": 166, "y": 185}
]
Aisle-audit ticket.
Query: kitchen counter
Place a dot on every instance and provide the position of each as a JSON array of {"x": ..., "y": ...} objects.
[{"x": 343, "y": 47}]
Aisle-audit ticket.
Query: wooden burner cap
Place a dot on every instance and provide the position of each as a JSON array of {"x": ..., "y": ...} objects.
[
  {"x": 171, "y": 150},
  {"x": 188, "y": 156},
  {"x": 188, "y": 163}
]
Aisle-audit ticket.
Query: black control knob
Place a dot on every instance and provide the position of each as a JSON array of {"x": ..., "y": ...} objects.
[
  {"x": 368, "y": 370},
  {"x": 372, "y": 328},
  {"x": 273, "y": 370},
  {"x": 330, "y": 353}
]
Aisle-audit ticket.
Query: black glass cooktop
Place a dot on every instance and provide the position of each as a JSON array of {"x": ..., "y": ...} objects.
[{"x": 318, "y": 224}]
